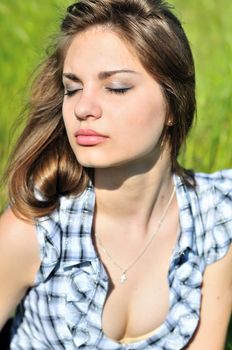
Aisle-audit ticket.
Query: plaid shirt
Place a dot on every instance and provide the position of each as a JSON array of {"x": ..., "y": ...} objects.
[{"x": 63, "y": 310}]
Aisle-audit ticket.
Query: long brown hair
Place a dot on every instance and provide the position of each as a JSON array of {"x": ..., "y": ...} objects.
[{"x": 43, "y": 162}]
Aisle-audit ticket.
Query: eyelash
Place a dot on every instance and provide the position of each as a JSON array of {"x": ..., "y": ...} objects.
[
  {"x": 118, "y": 91},
  {"x": 70, "y": 92},
  {"x": 112, "y": 91}
]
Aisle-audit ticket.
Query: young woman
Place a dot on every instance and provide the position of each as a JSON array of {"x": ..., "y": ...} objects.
[{"x": 108, "y": 242}]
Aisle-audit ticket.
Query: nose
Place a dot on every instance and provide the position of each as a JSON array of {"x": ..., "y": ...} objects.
[{"x": 87, "y": 106}]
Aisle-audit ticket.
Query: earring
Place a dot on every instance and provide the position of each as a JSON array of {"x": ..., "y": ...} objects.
[{"x": 170, "y": 122}]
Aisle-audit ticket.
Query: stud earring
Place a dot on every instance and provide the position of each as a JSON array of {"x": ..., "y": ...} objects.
[{"x": 170, "y": 122}]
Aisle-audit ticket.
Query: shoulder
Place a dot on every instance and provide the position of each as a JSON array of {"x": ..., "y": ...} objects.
[
  {"x": 210, "y": 191},
  {"x": 207, "y": 210},
  {"x": 214, "y": 194},
  {"x": 19, "y": 248},
  {"x": 14, "y": 230},
  {"x": 221, "y": 181},
  {"x": 214, "y": 206}
]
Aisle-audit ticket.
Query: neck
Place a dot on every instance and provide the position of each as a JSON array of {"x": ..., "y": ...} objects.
[{"x": 133, "y": 191}]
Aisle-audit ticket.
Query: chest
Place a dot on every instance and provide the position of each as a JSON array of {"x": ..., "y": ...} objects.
[{"x": 140, "y": 304}]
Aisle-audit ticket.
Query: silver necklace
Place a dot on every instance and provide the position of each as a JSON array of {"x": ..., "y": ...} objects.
[{"x": 123, "y": 271}]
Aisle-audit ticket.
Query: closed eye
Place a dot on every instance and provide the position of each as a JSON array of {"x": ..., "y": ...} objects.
[
  {"x": 71, "y": 92},
  {"x": 118, "y": 91}
]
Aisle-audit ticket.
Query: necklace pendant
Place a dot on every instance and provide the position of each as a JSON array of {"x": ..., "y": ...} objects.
[{"x": 123, "y": 277}]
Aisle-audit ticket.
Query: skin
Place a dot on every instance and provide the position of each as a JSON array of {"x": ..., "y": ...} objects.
[
  {"x": 106, "y": 102},
  {"x": 19, "y": 261},
  {"x": 133, "y": 184}
]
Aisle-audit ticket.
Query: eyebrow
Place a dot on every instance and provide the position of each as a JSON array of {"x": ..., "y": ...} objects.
[
  {"x": 107, "y": 74},
  {"x": 101, "y": 75}
]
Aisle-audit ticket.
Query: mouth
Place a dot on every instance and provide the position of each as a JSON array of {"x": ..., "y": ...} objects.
[{"x": 89, "y": 137}]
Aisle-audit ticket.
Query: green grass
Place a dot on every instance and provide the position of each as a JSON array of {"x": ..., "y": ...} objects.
[
  {"x": 25, "y": 27},
  {"x": 209, "y": 28}
]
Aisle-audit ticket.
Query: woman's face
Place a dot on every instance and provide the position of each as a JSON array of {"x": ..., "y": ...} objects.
[{"x": 113, "y": 110}]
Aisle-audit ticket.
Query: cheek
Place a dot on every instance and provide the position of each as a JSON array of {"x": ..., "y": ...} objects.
[
  {"x": 153, "y": 117},
  {"x": 142, "y": 126},
  {"x": 143, "y": 110},
  {"x": 67, "y": 116},
  {"x": 143, "y": 118}
]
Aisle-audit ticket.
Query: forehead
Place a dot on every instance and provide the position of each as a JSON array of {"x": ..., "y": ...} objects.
[{"x": 100, "y": 48}]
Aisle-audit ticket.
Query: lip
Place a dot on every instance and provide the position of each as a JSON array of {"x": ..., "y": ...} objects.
[
  {"x": 89, "y": 137},
  {"x": 88, "y": 132}
]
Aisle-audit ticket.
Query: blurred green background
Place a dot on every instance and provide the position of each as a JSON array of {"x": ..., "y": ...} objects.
[{"x": 25, "y": 30}]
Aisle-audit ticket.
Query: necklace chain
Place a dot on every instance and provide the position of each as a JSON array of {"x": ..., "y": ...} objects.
[{"x": 123, "y": 275}]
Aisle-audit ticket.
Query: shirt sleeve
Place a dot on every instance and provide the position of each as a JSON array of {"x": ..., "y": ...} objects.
[{"x": 219, "y": 237}]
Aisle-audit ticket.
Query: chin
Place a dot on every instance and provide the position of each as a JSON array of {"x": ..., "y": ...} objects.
[
  {"x": 110, "y": 160},
  {"x": 97, "y": 160},
  {"x": 97, "y": 164},
  {"x": 93, "y": 164}
]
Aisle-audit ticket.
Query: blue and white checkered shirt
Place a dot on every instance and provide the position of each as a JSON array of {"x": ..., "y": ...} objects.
[{"x": 63, "y": 310}]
